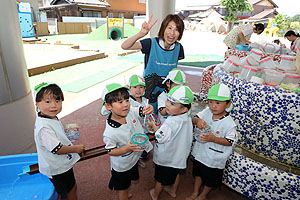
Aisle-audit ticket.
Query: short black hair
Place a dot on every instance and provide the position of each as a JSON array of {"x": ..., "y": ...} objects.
[
  {"x": 116, "y": 95},
  {"x": 259, "y": 27},
  {"x": 187, "y": 105},
  {"x": 52, "y": 90}
]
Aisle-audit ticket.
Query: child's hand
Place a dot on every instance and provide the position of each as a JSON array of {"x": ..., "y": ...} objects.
[
  {"x": 146, "y": 26},
  {"x": 208, "y": 138},
  {"x": 151, "y": 124},
  {"x": 79, "y": 148},
  {"x": 148, "y": 110},
  {"x": 201, "y": 123},
  {"x": 133, "y": 147}
]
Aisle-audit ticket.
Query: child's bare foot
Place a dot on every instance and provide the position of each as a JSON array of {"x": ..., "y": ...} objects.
[
  {"x": 192, "y": 197},
  {"x": 170, "y": 191},
  {"x": 201, "y": 198},
  {"x": 152, "y": 194}
]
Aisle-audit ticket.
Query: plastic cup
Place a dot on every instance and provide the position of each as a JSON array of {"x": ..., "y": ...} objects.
[
  {"x": 140, "y": 139},
  {"x": 72, "y": 131}
]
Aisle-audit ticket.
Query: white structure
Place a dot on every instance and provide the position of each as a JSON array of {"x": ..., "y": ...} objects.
[{"x": 17, "y": 112}]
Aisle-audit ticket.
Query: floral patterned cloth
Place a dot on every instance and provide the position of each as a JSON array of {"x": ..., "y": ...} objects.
[{"x": 242, "y": 54}]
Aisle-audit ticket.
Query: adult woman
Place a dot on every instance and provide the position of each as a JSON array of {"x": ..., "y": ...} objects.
[
  {"x": 161, "y": 53},
  {"x": 294, "y": 38},
  {"x": 242, "y": 34}
]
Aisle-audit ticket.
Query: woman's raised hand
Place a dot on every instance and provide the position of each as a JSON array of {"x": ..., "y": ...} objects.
[{"x": 146, "y": 26}]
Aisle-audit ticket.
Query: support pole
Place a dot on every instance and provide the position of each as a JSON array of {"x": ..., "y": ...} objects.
[
  {"x": 17, "y": 114},
  {"x": 159, "y": 10}
]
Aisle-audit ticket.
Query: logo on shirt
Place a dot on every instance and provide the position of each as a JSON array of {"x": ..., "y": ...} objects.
[
  {"x": 218, "y": 132},
  {"x": 69, "y": 156}
]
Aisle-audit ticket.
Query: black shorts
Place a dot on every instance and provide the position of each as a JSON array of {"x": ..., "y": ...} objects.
[
  {"x": 211, "y": 177},
  {"x": 122, "y": 180},
  {"x": 64, "y": 182},
  {"x": 165, "y": 175}
]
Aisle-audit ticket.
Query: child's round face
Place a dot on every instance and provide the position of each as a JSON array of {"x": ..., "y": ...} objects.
[
  {"x": 173, "y": 108},
  {"x": 137, "y": 91},
  {"x": 218, "y": 107},
  {"x": 171, "y": 34},
  {"x": 49, "y": 106},
  {"x": 119, "y": 109}
]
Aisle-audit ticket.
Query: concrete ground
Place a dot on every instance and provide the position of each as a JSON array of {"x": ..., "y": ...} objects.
[{"x": 83, "y": 108}]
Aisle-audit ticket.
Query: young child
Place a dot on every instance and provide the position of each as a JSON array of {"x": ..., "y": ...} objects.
[
  {"x": 161, "y": 53},
  {"x": 175, "y": 77},
  {"x": 211, "y": 154},
  {"x": 174, "y": 141},
  {"x": 56, "y": 154},
  {"x": 121, "y": 124},
  {"x": 137, "y": 90}
]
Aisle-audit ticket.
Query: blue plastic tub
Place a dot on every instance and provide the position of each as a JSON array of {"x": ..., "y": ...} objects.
[
  {"x": 243, "y": 47},
  {"x": 14, "y": 187}
]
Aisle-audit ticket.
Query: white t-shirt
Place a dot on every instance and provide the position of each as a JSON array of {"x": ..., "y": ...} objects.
[{"x": 248, "y": 30}]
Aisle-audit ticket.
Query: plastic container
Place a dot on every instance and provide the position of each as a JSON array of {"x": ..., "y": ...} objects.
[
  {"x": 140, "y": 139},
  {"x": 247, "y": 72},
  {"x": 273, "y": 78},
  {"x": 249, "y": 61},
  {"x": 267, "y": 63},
  {"x": 256, "y": 79},
  {"x": 256, "y": 54},
  {"x": 287, "y": 63},
  {"x": 72, "y": 131},
  {"x": 264, "y": 71},
  {"x": 232, "y": 64},
  {"x": 291, "y": 78},
  {"x": 15, "y": 183},
  {"x": 242, "y": 47},
  {"x": 198, "y": 132}
]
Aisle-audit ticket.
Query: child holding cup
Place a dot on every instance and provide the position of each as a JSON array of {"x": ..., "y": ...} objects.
[
  {"x": 173, "y": 141},
  {"x": 213, "y": 149},
  {"x": 56, "y": 153},
  {"x": 122, "y": 123}
]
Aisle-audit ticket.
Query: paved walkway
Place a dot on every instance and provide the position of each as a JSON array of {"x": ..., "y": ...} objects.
[{"x": 83, "y": 108}]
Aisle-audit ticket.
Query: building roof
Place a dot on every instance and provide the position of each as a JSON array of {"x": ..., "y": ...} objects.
[
  {"x": 86, "y": 2},
  {"x": 262, "y": 14},
  {"x": 253, "y": 2}
]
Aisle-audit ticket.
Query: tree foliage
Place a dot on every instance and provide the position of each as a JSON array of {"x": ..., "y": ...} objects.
[
  {"x": 232, "y": 7},
  {"x": 284, "y": 23}
]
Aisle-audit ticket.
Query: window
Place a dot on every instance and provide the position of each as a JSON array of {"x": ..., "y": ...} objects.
[
  {"x": 92, "y": 14},
  {"x": 121, "y": 15},
  {"x": 110, "y": 15},
  {"x": 142, "y": 1}
]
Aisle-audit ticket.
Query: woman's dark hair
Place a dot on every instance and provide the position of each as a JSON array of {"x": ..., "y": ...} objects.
[
  {"x": 117, "y": 95},
  {"x": 52, "y": 90},
  {"x": 177, "y": 20},
  {"x": 290, "y": 33},
  {"x": 277, "y": 41},
  {"x": 259, "y": 27}
]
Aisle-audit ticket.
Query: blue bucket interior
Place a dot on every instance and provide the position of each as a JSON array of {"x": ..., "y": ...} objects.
[
  {"x": 242, "y": 47},
  {"x": 13, "y": 186}
]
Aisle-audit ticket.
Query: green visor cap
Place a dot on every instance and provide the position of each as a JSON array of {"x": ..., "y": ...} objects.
[
  {"x": 219, "y": 92},
  {"x": 181, "y": 94},
  {"x": 108, "y": 89},
  {"x": 135, "y": 80},
  {"x": 177, "y": 76}
]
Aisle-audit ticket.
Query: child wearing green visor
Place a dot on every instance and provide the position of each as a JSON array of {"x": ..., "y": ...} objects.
[
  {"x": 56, "y": 153},
  {"x": 173, "y": 141},
  {"x": 121, "y": 124},
  {"x": 175, "y": 77},
  {"x": 213, "y": 149}
]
